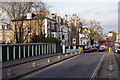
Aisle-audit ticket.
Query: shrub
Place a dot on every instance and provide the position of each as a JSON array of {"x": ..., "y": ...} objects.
[{"x": 52, "y": 40}]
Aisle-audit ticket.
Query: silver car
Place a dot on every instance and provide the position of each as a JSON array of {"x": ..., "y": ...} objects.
[{"x": 117, "y": 50}]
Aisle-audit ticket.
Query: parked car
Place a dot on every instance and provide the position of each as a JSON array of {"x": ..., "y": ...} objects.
[
  {"x": 102, "y": 45},
  {"x": 101, "y": 48},
  {"x": 86, "y": 49},
  {"x": 117, "y": 50},
  {"x": 94, "y": 48},
  {"x": 107, "y": 46}
]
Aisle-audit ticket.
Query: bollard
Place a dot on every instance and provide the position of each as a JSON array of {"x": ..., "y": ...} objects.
[
  {"x": 59, "y": 57},
  {"x": 75, "y": 52},
  {"x": 66, "y": 55},
  {"x": 49, "y": 60},
  {"x": 34, "y": 65},
  {"x": 9, "y": 72},
  {"x": 110, "y": 67},
  {"x": 110, "y": 62},
  {"x": 110, "y": 75}
]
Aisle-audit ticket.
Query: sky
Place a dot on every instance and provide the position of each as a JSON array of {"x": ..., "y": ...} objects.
[{"x": 104, "y": 11}]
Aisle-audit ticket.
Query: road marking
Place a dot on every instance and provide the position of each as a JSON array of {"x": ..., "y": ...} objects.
[
  {"x": 97, "y": 68},
  {"x": 51, "y": 66}
]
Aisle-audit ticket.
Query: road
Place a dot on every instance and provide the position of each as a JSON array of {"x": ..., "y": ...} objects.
[{"x": 81, "y": 66}]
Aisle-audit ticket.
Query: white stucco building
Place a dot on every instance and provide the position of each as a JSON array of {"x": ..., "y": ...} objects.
[
  {"x": 56, "y": 27},
  {"x": 117, "y": 39}
]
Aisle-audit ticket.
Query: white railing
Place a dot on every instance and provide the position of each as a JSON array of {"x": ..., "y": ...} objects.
[{"x": 18, "y": 51}]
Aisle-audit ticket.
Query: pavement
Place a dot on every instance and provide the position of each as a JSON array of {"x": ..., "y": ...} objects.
[
  {"x": 18, "y": 68},
  {"x": 80, "y": 66},
  {"x": 26, "y": 60},
  {"x": 117, "y": 56},
  {"x": 110, "y": 67}
]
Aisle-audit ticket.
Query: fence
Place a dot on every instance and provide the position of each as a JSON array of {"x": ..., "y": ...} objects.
[{"x": 17, "y": 51}]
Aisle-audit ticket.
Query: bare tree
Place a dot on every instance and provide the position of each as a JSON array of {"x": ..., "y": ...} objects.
[
  {"x": 75, "y": 24},
  {"x": 17, "y": 12},
  {"x": 95, "y": 31}
]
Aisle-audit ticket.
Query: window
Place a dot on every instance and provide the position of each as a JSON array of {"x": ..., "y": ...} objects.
[
  {"x": 63, "y": 36},
  {"x": 29, "y": 30},
  {"x": 0, "y": 27}
]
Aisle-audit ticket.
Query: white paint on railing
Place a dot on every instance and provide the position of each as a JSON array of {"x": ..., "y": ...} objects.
[
  {"x": 39, "y": 49},
  {"x": 32, "y": 50},
  {"x": 13, "y": 52},
  {"x": 24, "y": 51},
  {"x": 47, "y": 49},
  {"x": 36, "y": 50},
  {"x": 28, "y": 51},
  {"x": 19, "y": 52},
  {"x": 54, "y": 48},
  {"x": 0, "y": 53}
]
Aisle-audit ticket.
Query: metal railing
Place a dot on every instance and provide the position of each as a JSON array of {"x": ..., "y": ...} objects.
[{"x": 17, "y": 51}]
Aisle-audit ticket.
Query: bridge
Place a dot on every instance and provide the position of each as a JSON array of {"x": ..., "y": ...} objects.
[{"x": 43, "y": 60}]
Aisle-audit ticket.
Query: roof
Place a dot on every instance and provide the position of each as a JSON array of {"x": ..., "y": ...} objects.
[{"x": 35, "y": 17}]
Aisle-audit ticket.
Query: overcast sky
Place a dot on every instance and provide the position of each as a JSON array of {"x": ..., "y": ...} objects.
[{"x": 104, "y": 11}]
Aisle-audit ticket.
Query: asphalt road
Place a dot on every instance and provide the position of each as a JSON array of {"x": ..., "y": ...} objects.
[{"x": 81, "y": 66}]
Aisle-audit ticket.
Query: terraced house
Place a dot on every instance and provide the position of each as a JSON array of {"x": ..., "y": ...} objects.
[{"x": 35, "y": 24}]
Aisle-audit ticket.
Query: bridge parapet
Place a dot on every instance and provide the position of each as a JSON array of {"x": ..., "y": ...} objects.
[{"x": 17, "y": 51}]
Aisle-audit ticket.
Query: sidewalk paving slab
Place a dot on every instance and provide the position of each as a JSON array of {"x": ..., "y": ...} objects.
[
  {"x": 27, "y": 59},
  {"x": 23, "y": 69},
  {"x": 105, "y": 71}
]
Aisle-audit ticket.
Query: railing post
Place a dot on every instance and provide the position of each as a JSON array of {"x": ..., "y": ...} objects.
[
  {"x": 36, "y": 50},
  {"x": 28, "y": 50},
  {"x": 39, "y": 49},
  {"x": 47, "y": 48},
  {"x": 13, "y": 52},
  {"x": 50, "y": 49},
  {"x": 54, "y": 48},
  {"x": 42, "y": 48},
  {"x": 19, "y": 52},
  {"x": 8, "y": 53},
  {"x": 0, "y": 53},
  {"x": 24, "y": 51},
  {"x": 32, "y": 50}
]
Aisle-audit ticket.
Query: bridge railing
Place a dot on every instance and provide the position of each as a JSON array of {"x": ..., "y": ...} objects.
[{"x": 17, "y": 51}]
